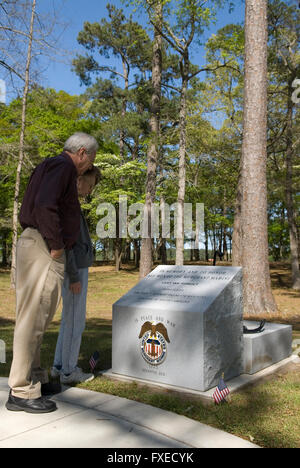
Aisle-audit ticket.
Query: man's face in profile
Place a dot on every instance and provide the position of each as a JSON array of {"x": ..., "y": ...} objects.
[{"x": 86, "y": 161}]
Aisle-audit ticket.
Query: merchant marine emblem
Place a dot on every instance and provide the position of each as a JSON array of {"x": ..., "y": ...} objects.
[{"x": 154, "y": 342}]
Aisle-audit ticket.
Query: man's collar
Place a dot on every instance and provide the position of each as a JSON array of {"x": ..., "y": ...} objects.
[{"x": 68, "y": 157}]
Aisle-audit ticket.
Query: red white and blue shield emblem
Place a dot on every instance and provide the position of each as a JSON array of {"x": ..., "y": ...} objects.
[{"x": 154, "y": 343}]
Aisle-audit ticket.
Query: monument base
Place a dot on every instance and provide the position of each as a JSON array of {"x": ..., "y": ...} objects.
[
  {"x": 264, "y": 349},
  {"x": 234, "y": 384}
]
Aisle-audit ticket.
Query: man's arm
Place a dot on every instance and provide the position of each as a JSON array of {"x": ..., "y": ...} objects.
[{"x": 72, "y": 271}]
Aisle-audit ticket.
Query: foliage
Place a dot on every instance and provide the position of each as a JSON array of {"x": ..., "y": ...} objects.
[
  {"x": 115, "y": 108},
  {"x": 52, "y": 117}
]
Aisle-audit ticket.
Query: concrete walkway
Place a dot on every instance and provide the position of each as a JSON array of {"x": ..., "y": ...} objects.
[{"x": 90, "y": 419}]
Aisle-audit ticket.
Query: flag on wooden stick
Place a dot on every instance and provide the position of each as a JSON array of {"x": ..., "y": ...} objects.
[
  {"x": 221, "y": 391},
  {"x": 94, "y": 360}
]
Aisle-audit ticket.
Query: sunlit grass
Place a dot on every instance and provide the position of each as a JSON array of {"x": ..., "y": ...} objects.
[{"x": 267, "y": 414}]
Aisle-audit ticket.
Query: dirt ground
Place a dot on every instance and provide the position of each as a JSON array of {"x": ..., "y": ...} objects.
[{"x": 287, "y": 299}]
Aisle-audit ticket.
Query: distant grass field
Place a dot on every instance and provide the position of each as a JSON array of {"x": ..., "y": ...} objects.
[{"x": 267, "y": 414}]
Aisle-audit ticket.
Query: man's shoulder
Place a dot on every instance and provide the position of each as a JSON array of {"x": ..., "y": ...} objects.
[
  {"x": 62, "y": 161},
  {"x": 63, "y": 158}
]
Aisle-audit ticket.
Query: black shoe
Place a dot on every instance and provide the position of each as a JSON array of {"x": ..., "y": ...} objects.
[
  {"x": 50, "y": 388},
  {"x": 37, "y": 405}
]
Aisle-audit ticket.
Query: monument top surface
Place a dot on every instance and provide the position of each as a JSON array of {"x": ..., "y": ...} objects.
[{"x": 188, "y": 288}]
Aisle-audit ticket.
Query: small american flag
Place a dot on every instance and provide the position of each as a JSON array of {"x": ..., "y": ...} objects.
[
  {"x": 93, "y": 360},
  {"x": 221, "y": 391}
]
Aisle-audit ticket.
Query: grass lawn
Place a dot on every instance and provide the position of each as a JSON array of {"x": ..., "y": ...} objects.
[{"x": 267, "y": 414}]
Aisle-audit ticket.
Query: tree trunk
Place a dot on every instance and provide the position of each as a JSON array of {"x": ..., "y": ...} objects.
[
  {"x": 136, "y": 253},
  {"x": 206, "y": 243},
  {"x": 146, "y": 260},
  {"x": 214, "y": 243},
  {"x": 237, "y": 228},
  {"x": 4, "y": 262},
  {"x": 196, "y": 248},
  {"x": 123, "y": 112},
  {"x": 182, "y": 170},
  {"x": 118, "y": 243},
  {"x": 127, "y": 253},
  {"x": 289, "y": 194},
  {"x": 21, "y": 152},
  {"x": 225, "y": 249},
  {"x": 118, "y": 254},
  {"x": 163, "y": 252},
  {"x": 258, "y": 297}
]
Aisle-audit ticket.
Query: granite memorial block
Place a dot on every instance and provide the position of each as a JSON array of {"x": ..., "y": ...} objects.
[
  {"x": 181, "y": 326},
  {"x": 264, "y": 349}
]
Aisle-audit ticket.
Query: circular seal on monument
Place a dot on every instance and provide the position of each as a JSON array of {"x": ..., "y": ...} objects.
[{"x": 154, "y": 343}]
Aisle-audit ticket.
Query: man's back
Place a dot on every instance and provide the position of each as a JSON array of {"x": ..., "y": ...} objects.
[{"x": 50, "y": 203}]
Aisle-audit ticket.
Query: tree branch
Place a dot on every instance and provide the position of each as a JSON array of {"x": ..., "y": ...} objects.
[
  {"x": 225, "y": 65},
  {"x": 9, "y": 68},
  {"x": 176, "y": 44}
]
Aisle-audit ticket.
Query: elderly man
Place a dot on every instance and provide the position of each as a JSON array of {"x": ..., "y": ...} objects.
[{"x": 50, "y": 217}]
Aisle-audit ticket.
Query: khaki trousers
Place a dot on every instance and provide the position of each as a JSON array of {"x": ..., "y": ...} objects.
[{"x": 39, "y": 281}]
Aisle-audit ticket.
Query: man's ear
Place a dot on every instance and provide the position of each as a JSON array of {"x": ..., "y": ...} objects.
[{"x": 81, "y": 153}]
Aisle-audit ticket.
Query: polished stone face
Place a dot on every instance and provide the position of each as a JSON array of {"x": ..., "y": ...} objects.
[
  {"x": 264, "y": 349},
  {"x": 181, "y": 325}
]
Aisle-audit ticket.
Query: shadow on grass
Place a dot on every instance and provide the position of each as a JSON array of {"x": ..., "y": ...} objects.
[
  {"x": 97, "y": 336},
  {"x": 126, "y": 268}
]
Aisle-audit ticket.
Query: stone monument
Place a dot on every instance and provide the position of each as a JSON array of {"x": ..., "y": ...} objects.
[{"x": 181, "y": 326}]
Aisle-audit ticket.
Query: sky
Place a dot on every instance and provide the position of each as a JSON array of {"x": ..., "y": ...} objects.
[{"x": 58, "y": 75}]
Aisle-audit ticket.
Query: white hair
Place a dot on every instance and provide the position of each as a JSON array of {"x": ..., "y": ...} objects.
[{"x": 81, "y": 140}]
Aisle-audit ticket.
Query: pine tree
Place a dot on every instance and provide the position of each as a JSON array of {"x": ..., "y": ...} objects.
[{"x": 258, "y": 297}]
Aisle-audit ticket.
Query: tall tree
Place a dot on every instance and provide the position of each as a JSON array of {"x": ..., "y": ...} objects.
[
  {"x": 146, "y": 259},
  {"x": 258, "y": 297},
  {"x": 50, "y": 119},
  {"x": 21, "y": 146},
  {"x": 122, "y": 38},
  {"x": 284, "y": 59},
  {"x": 129, "y": 42},
  {"x": 226, "y": 91},
  {"x": 25, "y": 35},
  {"x": 191, "y": 19}
]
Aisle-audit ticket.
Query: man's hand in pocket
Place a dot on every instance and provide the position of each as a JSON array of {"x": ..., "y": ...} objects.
[
  {"x": 56, "y": 254},
  {"x": 75, "y": 288}
]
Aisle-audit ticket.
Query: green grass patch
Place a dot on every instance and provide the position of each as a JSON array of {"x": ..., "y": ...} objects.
[{"x": 267, "y": 414}]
